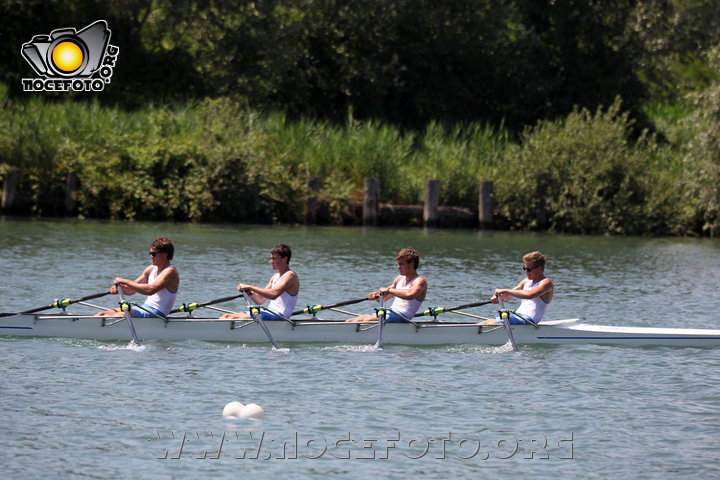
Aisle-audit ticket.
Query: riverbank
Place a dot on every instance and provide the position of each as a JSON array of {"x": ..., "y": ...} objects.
[{"x": 214, "y": 160}]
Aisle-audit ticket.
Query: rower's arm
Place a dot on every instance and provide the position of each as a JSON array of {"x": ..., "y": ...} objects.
[
  {"x": 166, "y": 279},
  {"x": 255, "y": 296},
  {"x": 416, "y": 291},
  {"x": 385, "y": 292},
  {"x": 545, "y": 286},
  {"x": 286, "y": 283},
  {"x": 130, "y": 287}
]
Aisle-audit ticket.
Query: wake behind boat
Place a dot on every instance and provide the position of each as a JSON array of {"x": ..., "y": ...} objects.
[{"x": 312, "y": 330}]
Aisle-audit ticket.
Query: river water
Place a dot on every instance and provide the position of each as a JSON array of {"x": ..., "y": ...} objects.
[{"x": 88, "y": 409}]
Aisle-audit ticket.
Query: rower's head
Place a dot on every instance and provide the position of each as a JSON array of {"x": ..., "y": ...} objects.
[
  {"x": 533, "y": 261},
  {"x": 162, "y": 245},
  {"x": 409, "y": 256},
  {"x": 280, "y": 252}
]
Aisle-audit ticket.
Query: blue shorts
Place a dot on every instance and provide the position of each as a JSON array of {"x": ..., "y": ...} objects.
[
  {"x": 516, "y": 319},
  {"x": 140, "y": 313},
  {"x": 392, "y": 317},
  {"x": 268, "y": 316}
]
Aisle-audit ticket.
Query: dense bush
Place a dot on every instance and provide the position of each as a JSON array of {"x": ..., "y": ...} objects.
[
  {"x": 221, "y": 111},
  {"x": 581, "y": 174},
  {"x": 216, "y": 160},
  {"x": 702, "y": 161}
]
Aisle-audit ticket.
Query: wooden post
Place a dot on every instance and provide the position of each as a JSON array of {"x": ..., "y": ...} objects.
[
  {"x": 72, "y": 187},
  {"x": 371, "y": 194},
  {"x": 485, "y": 205},
  {"x": 313, "y": 184},
  {"x": 9, "y": 186},
  {"x": 432, "y": 198},
  {"x": 541, "y": 212}
]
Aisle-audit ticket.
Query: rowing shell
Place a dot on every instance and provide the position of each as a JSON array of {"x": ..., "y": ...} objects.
[{"x": 305, "y": 331}]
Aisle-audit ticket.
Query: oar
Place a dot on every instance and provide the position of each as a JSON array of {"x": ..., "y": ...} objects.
[
  {"x": 433, "y": 312},
  {"x": 125, "y": 307},
  {"x": 381, "y": 321},
  {"x": 255, "y": 313},
  {"x": 313, "y": 309},
  {"x": 60, "y": 303},
  {"x": 189, "y": 307},
  {"x": 505, "y": 317}
]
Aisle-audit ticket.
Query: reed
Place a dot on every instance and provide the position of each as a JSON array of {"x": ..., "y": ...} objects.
[{"x": 215, "y": 160}]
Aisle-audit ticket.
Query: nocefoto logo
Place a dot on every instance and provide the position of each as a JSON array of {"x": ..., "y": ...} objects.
[{"x": 68, "y": 59}]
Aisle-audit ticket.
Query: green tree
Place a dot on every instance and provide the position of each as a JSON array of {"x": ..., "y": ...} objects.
[{"x": 702, "y": 161}]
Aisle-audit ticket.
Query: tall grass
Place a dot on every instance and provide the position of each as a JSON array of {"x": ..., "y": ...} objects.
[{"x": 215, "y": 160}]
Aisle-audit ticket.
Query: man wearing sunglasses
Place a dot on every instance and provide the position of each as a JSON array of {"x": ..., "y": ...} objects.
[
  {"x": 535, "y": 292},
  {"x": 160, "y": 281}
]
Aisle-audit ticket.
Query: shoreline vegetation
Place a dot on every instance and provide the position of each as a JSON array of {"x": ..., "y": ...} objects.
[
  {"x": 215, "y": 160},
  {"x": 586, "y": 119}
]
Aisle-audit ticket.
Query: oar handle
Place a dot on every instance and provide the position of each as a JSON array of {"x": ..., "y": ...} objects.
[
  {"x": 188, "y": 307},
  {"x": 90, "y": 297},
  {"x": 434, "y": 311},
  {"x": 313, "y": 309}
]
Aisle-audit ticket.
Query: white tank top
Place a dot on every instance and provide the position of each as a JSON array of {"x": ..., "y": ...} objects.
[
  {"x": 532, "y": 307},
  {"x": 285, "y": 303},
  {"x": 162, "y": 300},
  {"x": 406, "y": 308}
]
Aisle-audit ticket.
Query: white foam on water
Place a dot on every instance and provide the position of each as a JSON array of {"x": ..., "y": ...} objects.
[
  {"x": 134, "y": 346},
  {"x": 351, "y": 348},
  {"x": 482, "y": 349}
]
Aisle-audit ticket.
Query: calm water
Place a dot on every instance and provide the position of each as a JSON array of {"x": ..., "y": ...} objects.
[{"x": 86, "y": 409}]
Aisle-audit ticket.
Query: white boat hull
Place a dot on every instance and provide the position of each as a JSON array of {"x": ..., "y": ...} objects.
[{"x": 302, "y": 331}]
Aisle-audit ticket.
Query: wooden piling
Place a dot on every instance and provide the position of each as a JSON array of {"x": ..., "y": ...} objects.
[
  {"x": 541, "y": 212},
  {"x": 371, "y": 195},
  {"x": 311, "y": 205},
  {"x": 71, "y": 187},
  {"x": 485, "y": 205},
  {"x": 432, "y": 199},
  {"x": 9, "y": 187}
]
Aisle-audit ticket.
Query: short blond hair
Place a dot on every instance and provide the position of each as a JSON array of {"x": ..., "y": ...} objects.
[
  {"x": 536, "y": 258},
  {"x": 410, "y": 256}
]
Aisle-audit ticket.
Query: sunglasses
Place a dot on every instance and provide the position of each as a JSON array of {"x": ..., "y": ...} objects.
[
  {"x": 152, "y": 254},
  {"x": 526, "y": 269}
]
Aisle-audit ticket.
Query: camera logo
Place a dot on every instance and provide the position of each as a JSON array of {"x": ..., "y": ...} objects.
[{"x": 68, "y": 60}]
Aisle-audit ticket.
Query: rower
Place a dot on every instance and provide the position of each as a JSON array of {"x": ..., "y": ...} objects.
[
  {"x": 282, "y": 289},
  {"x": 160, "y": 281},
  {"x": 408, "y": 288},
  {"x": 535, "y": 293}
]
